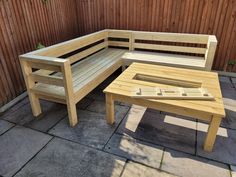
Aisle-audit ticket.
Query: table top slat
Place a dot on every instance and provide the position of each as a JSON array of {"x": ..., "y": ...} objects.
[{"x": 125, "y": 83}]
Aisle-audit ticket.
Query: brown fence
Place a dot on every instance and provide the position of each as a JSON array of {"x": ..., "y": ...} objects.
[
  {"x": 182, "y": 16},
  {"x": 25, "y": 23}
]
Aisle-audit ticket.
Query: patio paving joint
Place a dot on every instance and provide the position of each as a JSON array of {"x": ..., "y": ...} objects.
[
  {"x": 195, "y": 153},
  {"x": 92, "y": 100},
  {"x": 33, "y": 155},
  {"x": 2, "y": 113},
  {"x": 56, "y": 124},
  {"x": 8, "y": 130},
  {"x": 92, "y": 147},
  {"x": 82, "y": 144},
  {"x": 103, "y": 148},
  {"x": 123, "y": 169},
  {"x": 162, "y": 157},
  {"x": 147, "y": 141},
  {"x": 158, "y": 169},
  {"x": 174, "y": 150}
]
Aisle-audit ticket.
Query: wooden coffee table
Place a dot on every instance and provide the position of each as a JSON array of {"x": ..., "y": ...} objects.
[{"x": 145, "y": 75}]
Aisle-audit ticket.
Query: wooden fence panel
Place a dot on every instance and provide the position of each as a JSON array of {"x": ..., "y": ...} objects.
[
  {"x": 216, "y": 17},
  {"x": 24, "y": 24}
]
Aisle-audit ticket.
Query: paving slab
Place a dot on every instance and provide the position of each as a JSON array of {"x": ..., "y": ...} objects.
[
  {"x": 19, "y": 104},
  {"x": 156, "y": 128},
  {"x": 97, "y": 94},
  {"x": 124, "y": 104},
  {"x": 233, "y": 171},
  {"x": 228, "y": 91},
  {"x": 51, "y": 114},
  {"x": 84, "y": 103},
  {"x": 135, "y": 106},
  {"x": 224, "y": 79},
  {"x": 4, "y": 126},
  {"x": 109, "y": 80},
  {"x": 230, "y": 119},
  {"x": 92, "y": 128},
  {"x": 15, "y": 107},
  {"x": 225, "y": 144},
  {"x": 62, "y": 158},
  {"x": 186, "y": 165},
  {"x": 138, "y": 170},
  {"x": 17, "y": 147},
  {"x": 229, "y": 100},
  {"x": 100, "y": 107},
  {"x": 233, "y": 80},
  {"x": 135, "y": 150}
]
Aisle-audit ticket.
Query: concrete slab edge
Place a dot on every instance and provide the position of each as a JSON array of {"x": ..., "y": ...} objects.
[{"x": 13, "y": 102}]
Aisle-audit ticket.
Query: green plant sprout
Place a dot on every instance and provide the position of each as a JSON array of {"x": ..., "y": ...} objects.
[
  {"x": 44, "y": 1},
  {"x": 231, "y": 62},
  {"x": 40, "y": 46}
]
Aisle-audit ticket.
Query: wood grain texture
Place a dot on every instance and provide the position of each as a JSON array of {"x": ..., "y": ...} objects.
[
  {"x": 24, "y": 24},
  {"x": 181, "y": 16}
]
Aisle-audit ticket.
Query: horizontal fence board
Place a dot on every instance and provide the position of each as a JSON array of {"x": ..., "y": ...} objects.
[
  {"x": 23, "y": 25},
  {"x": 176, "y": 16}
]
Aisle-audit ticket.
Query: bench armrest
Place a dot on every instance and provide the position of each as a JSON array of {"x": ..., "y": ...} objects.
[
  {"x": 30, "y": 62},
  {"x": 43, "y": 59},
  {"x": 212, "y": 38},
  {"x": 210, "y": 53}
]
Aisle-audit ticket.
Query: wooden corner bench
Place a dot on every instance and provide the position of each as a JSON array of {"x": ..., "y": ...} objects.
[{"x": 67, "y": 72}]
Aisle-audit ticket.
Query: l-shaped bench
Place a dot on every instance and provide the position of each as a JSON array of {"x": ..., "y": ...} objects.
[{"x": 67, "y": 72}]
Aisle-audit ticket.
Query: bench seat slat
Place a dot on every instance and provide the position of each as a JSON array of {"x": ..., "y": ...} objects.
[
  {"x": 84, "y": 72},
  {"x": 49, "y": 90},
  {"x": 99, "y": 66},
  {"x": 164, "y": 59}
]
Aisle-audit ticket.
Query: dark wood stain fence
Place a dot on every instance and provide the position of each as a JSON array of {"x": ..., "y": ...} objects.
[
  {"x": 181, "y": 16},
  {"x": 25, "y": 23}
]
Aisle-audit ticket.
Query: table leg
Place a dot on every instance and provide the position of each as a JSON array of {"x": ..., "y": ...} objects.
[
  {"x": 110, "y": 113},
  {"x": 211, "y": 134}
]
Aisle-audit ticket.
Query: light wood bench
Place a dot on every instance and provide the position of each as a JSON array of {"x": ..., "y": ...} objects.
[
  {"x": 68, "y": 71},
  {"x": 194, "y": 51}
]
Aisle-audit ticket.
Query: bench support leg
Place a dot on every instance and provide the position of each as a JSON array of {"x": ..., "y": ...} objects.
[
  {"x": 34, "y": 100},
  {"x": 35, "y": 104},
  {"x": 72, "y": 114},
  {"x": 69, "y": 92},
  {"x": 110, "y": 113},
  {"x": 211, "y": 134}
]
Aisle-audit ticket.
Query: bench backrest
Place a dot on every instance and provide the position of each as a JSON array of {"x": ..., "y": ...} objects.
[
  {"x": 177, "y": 43},
  {"x": 120, "y": 38},
  {"x": 76, "y": 49}
]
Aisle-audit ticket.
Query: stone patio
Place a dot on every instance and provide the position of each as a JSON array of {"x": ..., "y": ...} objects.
[{"x": 143, "y": 142}]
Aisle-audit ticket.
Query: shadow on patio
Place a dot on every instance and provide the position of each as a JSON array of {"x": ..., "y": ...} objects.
[{"x": 142, "y": 142}]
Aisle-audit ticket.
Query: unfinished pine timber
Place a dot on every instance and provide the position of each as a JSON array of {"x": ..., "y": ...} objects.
[{"x": 68, "y": 71}]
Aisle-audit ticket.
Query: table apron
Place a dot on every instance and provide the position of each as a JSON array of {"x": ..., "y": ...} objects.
[{"x": 166, "y": 108}]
